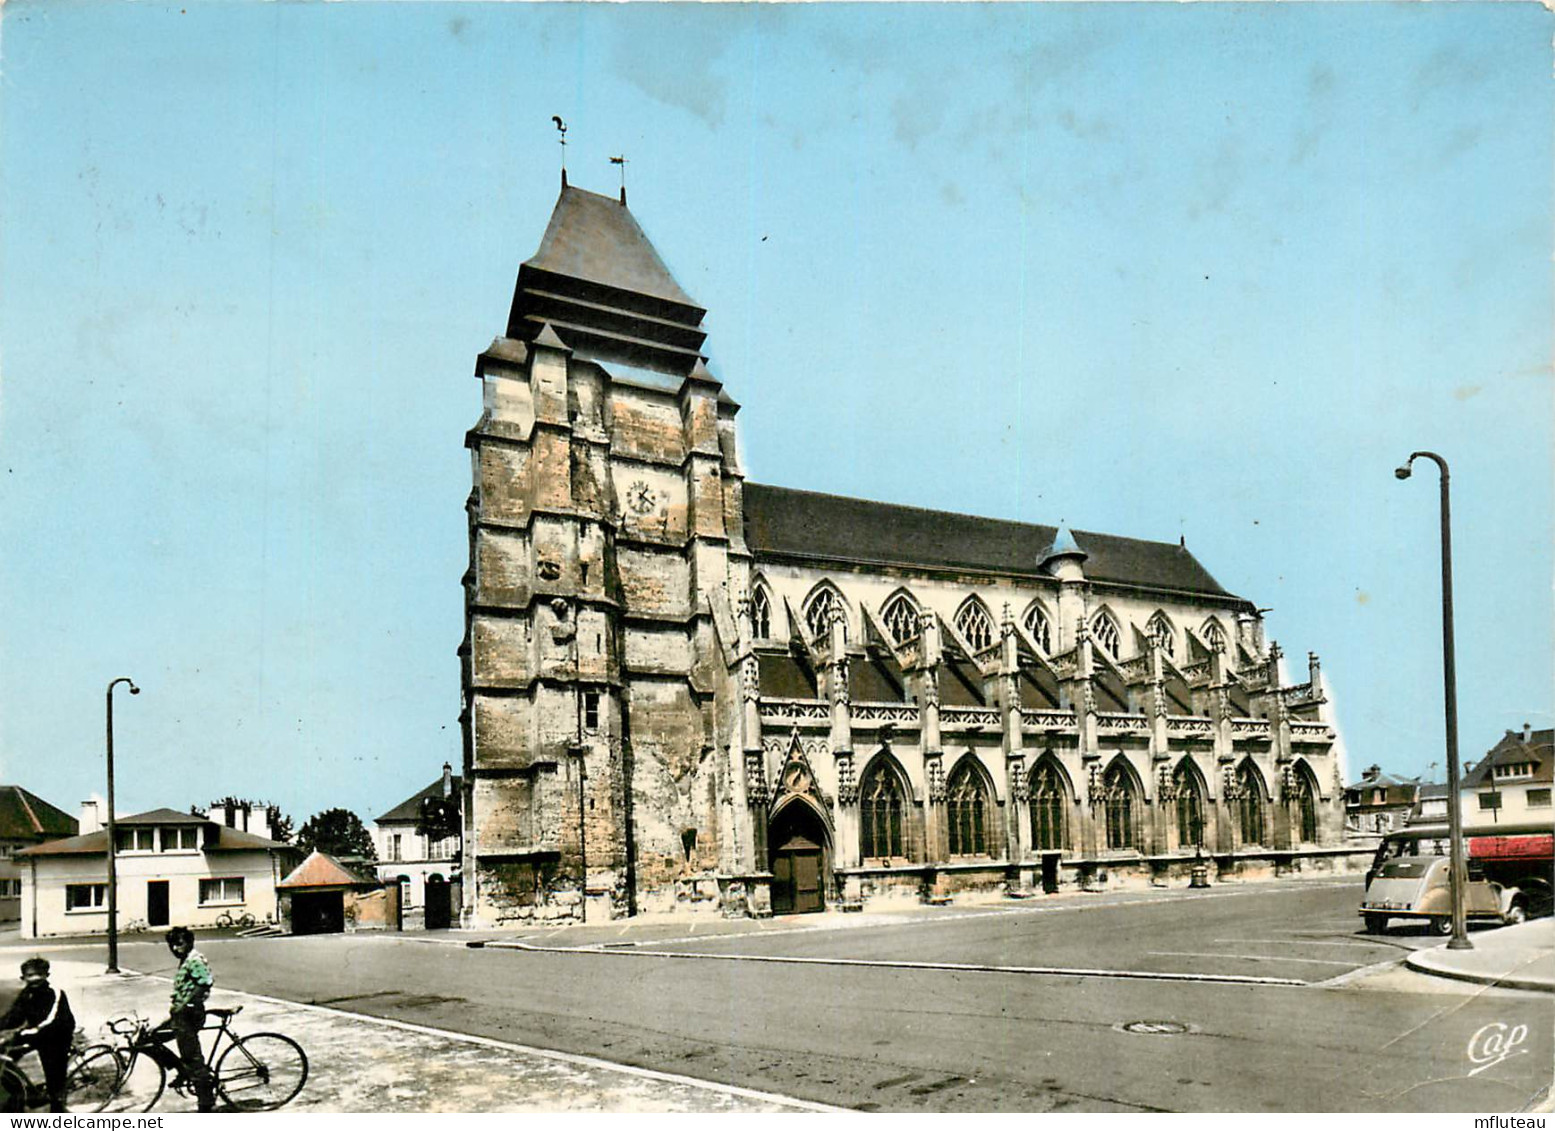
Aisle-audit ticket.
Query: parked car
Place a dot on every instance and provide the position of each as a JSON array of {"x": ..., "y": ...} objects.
[{"x": 1415, "y": 887}]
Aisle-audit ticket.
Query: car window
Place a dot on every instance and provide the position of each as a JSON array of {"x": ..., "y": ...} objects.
[{"x": 1405, "y": 869}]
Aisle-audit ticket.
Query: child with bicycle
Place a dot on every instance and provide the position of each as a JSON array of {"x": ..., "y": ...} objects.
[
  {"x": 40, "y": 1019},
  {"x": 191, "y": 986}
]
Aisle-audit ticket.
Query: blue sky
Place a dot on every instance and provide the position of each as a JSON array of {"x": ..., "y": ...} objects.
[{"x": 1208, "y": 271}]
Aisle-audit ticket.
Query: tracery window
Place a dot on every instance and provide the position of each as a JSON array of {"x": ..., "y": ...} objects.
[
  {"x": 761, "y": 613},
  {"x": 1213, "y": 634},
  {"x": 1250, "y": 805},
  {"x": 901, "y": 618},
  {"x": 975, "y": 625},
  {"x": 1306, "y": 802},
  {"x": 1048, "y": 802},
  {"x": 880, "y": 813},
  {"x": 1037, "y": 624},
  {"x": 966, "y": 801},
  {"x": 1190, "y": 808},
  {"x": 818, "y": 613},
  {"x": 1118, "y": 794},
  {"x": 1160, "y": 630},
  {"x": 1104, "y": 630}
]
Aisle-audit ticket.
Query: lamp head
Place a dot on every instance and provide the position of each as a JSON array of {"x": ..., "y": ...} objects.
[
  {"x": 134, "y": 690},
  {"x": 1403, "y": 472}
]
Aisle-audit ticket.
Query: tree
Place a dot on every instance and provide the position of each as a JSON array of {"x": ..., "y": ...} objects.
[
  {"x": 338, "y": 832},
  {"x": 438, "y": 818}
]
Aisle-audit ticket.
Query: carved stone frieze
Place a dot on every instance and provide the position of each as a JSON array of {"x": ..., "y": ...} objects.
[
  {"x": 750, "y": 678},
  {"x": 755, "y": 778},
  {"x": 934, "y": 772},
  {"x": 847, "y": 784},
  {"x": 1017, "y": 772}
]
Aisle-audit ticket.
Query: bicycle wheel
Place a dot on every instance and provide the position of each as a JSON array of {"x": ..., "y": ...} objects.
[
  {"x": 14, "y": 1086},
  {"x": 261, "y": 1071},
  {"x": 104, "y": 1079},
  {"x": 141, "y": 1082}
]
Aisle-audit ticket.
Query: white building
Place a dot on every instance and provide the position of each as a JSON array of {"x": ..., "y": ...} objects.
[
  {"x": 410, "y": 858},
  {"x": 173, "y": 869},
  {"x": 1510, "y": 787}
]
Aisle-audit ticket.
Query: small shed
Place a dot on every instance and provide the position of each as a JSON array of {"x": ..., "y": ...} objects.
[{"x": 322, "y": 896}]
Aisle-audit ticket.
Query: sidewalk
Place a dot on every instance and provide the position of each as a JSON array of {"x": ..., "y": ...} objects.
[
  {"x": 363, "y": 1064},
  {"x": 1520, "y": 957}
]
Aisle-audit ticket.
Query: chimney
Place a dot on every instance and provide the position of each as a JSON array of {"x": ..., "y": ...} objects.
[
  {"x": 1527, "y": 728},
  {"x": 1371, "y": 773},
  {"x": 90, "y": 821},
  {"x": 448, "y": 780}
]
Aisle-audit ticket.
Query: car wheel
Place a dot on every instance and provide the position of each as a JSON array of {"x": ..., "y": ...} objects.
[
  {"x": 1376, "y": 924},
  {"x": 1441, "y": 925},
  {"x": 1515, "y": 914}
]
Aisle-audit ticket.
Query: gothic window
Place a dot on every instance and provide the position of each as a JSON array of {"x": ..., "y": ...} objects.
[
  {"x": 1214, "y": 635},
  {"x": 1190, "y": 808},
  {"x": 901, "y": 618},
  {"x": 880, "y": 813},
  {"x": 1306, "y": 802},
  {"x": 967, "y": 806},
  {"x": 1160, "y": 630},
  {"x": 1037, "y": 624},
  {"x": 975, "y": 625},
  {"x": 1104, "y": 630},
  {"x": 1118, "y": 794},
  {"x": 818, "y": 613},
  {"x": 1251, "y": 804},
  {"x": 761, "y": 613},
  {"x": 1048, "y": 802}
]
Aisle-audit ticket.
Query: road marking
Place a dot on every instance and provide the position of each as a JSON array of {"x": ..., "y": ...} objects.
[
  {"x": 1245, "y": 957},
  {"x": 1305, "y": 942},
  {"x": 531, "y": 1050},
  {"x": 901, "y": 964}
]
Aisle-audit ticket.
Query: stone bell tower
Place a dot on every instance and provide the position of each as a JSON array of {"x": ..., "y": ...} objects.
[{"x": 605, "y": 538}]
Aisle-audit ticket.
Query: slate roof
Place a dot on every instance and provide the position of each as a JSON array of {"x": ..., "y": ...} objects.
[
  {"x": 26, "y": 816},
  {"x": 780, "y": 520},
  {"x": 410, "y": 808},
  {"x": 598, "y": 288},
  {"x": 163, "y": 817},
  {"x": 94, "y": 844},
  {"x": 595, "y": 238},
  {"x": 1539, "y": 749}
]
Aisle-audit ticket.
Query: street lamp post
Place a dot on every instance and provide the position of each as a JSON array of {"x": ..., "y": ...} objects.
[
  {"x": 1459, "y": 873},
  {"x": 113, "y": 873}
]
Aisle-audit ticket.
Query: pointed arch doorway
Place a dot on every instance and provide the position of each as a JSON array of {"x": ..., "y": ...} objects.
[{"x": 799, "y": 859}]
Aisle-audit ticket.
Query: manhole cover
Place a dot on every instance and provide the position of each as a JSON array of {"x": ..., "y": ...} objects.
[{"x": 1171, "y": 1028}]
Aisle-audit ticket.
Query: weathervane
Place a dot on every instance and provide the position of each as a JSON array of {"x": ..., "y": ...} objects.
[
  {"x": 621, "y": 161},
  {"x": 561, "y": 126}
]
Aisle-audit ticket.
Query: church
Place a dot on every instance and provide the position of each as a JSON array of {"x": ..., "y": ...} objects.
[{"x": 683, "y": 689}]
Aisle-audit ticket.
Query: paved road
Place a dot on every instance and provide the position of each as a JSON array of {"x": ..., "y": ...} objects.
[{"x": 1341, "y": 1027}]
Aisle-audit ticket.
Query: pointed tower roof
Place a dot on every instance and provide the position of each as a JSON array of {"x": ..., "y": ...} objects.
[
  {"x": 1064, "y": 546},
  {"x": 597, "y": 238},
  {"x": 604, "y": 289}
]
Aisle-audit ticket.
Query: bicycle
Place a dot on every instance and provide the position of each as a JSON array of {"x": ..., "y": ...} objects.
[
  {"x": 21, "y": 1093},
  {"x": 243, "y": 919},
  {"x": 259, "y": 1072}
]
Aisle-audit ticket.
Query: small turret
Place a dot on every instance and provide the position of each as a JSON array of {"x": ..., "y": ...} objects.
[{"x": 1064, "y": 558}]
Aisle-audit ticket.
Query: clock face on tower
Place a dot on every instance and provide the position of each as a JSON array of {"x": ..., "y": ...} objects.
[{"x": 639, "y": 496}]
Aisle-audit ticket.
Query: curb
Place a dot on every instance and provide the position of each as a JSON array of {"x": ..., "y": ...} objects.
[{"x": 1426, "y": 962}]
